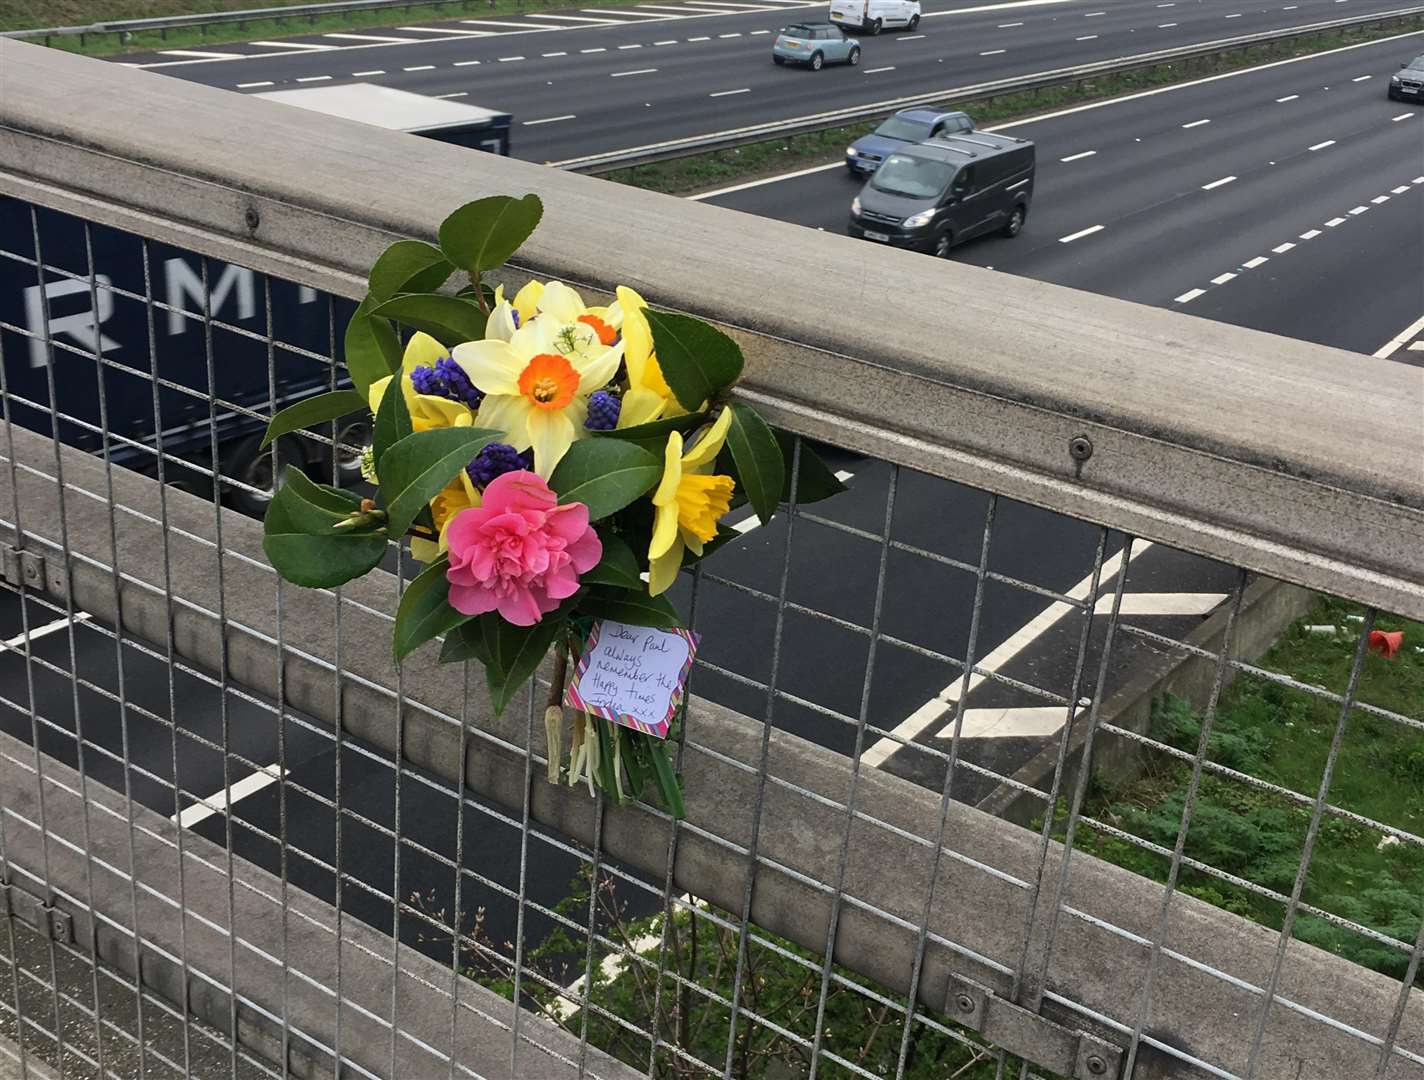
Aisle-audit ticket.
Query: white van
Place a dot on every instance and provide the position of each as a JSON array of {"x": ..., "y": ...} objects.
[{"x": 872, "y": 16}]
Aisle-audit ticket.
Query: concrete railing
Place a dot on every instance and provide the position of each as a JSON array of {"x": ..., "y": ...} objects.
[{"x": 1255, "y": 450}]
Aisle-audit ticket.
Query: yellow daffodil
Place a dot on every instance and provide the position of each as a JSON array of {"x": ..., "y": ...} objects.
[
  {"x": 649, "y": 397},
  {"x": 537, "y": 384},
  {"x": 459, "y": 494},
  {"x": 508, "y": 316},
  {"x": 688, "y": 502},
  {"x": 426, "y": 410}
]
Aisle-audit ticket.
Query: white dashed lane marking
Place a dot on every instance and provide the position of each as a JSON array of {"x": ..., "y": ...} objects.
[
  {"x": 549, "y": 120},
  {"x": 1218, "y": 183},
  {"x": 1080, "y": 234},
  {"x": 1078, "y": 157}
]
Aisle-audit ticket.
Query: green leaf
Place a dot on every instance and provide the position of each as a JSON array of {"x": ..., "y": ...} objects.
[
  {"x": 313, "y": 410},
  {"x": 416, "y": 468},
  {"x": 425, "y": 611},
  {"x": 698, "y": 361},
  {"x": 392, "y": 421},
  {"x": 619, "y": 566},
  {"x": 760, "y": 467},
  {"x": 409, "y": 266},
  {"x": 725, "y": 535},
  {"x": 301, "y": 543},
  {"x": 669, "y": 786},
  {"x": 653, "y": 435},
  {"x": 632, "y": 606},
  {"x": 465, "y": 642},
  {"x": 448, "y": 319},
  {"x": 515, "y": 653},
  {"x": 372, "y": 350},
  {"x": 485, "y": 233},
  {"x": 814, "y": 480},
  {"x": 605, "y": 475},
  {"x": 304, "y": 506}
]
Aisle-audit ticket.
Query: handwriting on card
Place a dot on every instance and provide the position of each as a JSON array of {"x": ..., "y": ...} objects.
[{"x": 633, "y": 675}]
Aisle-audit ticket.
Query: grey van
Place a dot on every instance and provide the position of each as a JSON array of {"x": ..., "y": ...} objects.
[{"x": 941, "y": 192}]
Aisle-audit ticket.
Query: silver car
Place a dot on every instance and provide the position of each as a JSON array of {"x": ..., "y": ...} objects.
[{"x": 814, "y": 44}]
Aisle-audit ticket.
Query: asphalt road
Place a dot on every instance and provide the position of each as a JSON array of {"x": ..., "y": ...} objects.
[
  {"x": 1289, "y": 199},
  {"x": 657, "y": 72}
]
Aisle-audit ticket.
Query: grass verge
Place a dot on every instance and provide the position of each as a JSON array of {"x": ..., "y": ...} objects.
[
  {"x": 708, "y": 171},
  {"x": 1283, "y": 736},
  {"x": 23, "y": 15}
]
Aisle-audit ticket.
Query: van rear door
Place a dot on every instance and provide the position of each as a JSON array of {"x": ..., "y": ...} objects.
[{"x": 850, "y": 12}]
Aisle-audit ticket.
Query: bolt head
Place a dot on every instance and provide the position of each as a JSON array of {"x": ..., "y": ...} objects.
[
  {"x": 252, "y": 217},
  {"x": 1096, "y": 1065},
  {"x": 964, "y": 1003},
  {"x": 1080, "y": 448}
]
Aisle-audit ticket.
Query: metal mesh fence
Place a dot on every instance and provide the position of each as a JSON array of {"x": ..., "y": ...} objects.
[{"x": 937, "y": 644}]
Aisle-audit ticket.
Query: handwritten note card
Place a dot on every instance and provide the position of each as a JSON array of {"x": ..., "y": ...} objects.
[{"x": 632, "y": 675}]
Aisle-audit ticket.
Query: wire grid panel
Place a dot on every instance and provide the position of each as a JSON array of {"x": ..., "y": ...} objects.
[{"x": 924, "y": 630}]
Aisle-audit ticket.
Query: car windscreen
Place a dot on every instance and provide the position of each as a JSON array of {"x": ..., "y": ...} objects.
[
  {"x": 917, "y": 178},
  {"x": 797, "y": 31},
  {"x": 900, "y": 127}
]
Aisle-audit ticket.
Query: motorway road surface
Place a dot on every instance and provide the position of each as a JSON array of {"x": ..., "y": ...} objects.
[
  {"x": 1167, "y": 228},
  {"x": 656, "y": 72}
]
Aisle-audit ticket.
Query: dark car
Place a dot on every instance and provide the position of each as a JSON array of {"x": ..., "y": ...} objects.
[
  {"x": 939, "y": 193},
  {"x": 1407, "y": 84},
  {"x": 906, "y": 126}
]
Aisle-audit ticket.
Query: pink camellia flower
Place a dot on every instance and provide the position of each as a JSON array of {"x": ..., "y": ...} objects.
[{"x": 519, "y": 552}]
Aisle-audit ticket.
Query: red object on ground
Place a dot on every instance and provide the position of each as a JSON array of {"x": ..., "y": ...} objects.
[{"x": 1386, "y": 643}]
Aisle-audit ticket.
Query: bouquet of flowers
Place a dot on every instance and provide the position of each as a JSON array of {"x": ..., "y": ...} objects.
[{"x": 554, "y": 465}]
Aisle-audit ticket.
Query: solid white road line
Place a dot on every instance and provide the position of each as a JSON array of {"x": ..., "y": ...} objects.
[
  {"x": 299, "y": 46},
  {"x": 1170, "y": 603},
  {"x": 1024, "y": 722},
  {"x": 514, "y": 25},
  {"x": 1188, "y": 297},
  {"x": 371, "y": 37},
  {"x": 18, "y": 642},
  {"x": 458, "y": 93},
  {"x": 932, "y": 711},
  {"x": 549, "y": 120},
  {"x": 1218, "y": 183},
  {"x": 1080, "y": 234},
  {"x": 764, "y": 181},
  {"x": 201, "y": 55},
  {"x": 219, "y": 802},
  {"x": 1251, "y": 264},
  {"x": 579, "y": 19},
  {"x": 1078, "y": 157},
  {"x": 1399, "y": 339}
]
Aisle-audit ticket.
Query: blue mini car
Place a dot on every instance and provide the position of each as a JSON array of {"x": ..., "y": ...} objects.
[
  {"x": 814, "y": 44},
  {"x": 905, "y": 128}
]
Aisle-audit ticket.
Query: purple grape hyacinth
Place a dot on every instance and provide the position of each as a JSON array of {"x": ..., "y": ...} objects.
[
  {"x": 495, "y": 460},
  {"x": 603, "y": 410},
  {"x": 446, "y": 379}
]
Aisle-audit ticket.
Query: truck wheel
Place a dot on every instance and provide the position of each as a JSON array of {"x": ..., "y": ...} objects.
[
  {"x": 854, "y": 57},
  {"x": 251, "y": 466},
  {"x": 875, "y": 27},
  {"x": 1015, "y": 223},
  {"x": 816, "y": 61},
  {"x": 914, "y": 22},
  {"x": 943, "y": 242},
  {"x": 351, "y": 437}
]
